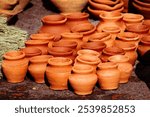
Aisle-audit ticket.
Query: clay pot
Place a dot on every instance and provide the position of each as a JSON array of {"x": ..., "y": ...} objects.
[
  {"x": 110, "y": 51},
  {"x": 131, "y": 18},
  {"x": 43, "y": 36},
  {"x": 86, "y": 29},
  {"x": 54, "y": 24},
  {"x": 87, "y": 51},
  {"x": 61, "y": 52},
  {"x": 113, "y": 19},
  {"x": 15, "y": 66},
  {"x": 130, "y": 51},
  {"x": 40, "y": 44},
  {"x": 58, "y": 72},
  {"x": 144, "y": 45},
  {"x": 96, "y": 46},
  {"x": 37, "y": 67},
  {"x": 82, "y": 79},
  {"x": 107, "y": 2},
  {"x": 124, "y": 67},
  {"x": 7, "y": 4},
  {"x": 76, "y": 18},
  {"x": 77, "y": 37},
  {"x": 31, "y": 51},
  {"x": 108, "y": 76},
  {"x": 68, "y": 6},
  {"x": 102, "y": 37}
]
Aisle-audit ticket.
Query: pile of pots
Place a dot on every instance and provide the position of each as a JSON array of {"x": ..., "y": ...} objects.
[{"x": 70, "y": 48}]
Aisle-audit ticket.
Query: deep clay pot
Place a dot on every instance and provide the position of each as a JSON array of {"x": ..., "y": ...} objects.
[
  {"x": 124, "y": 67},
  {"x": 37, "y": 67},
  {"x": 58, "y": 72},
  {"x": 108, "y": 76},
  {"x": 15, "y": 66},
  {"x": 82, "y": 79}
]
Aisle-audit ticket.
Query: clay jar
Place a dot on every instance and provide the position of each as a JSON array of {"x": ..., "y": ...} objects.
[
  {"x": 108, "y": 76},
  {"x": 31, "y": 51},
  {"x": 86, "y": 29},
  {"x": 87, "y": 51},
  {"x": 102, "y": 37},
  {"x": 58, "y": 72},
  {"x": 76, "y": 18},
  {"x": 61, "y": 52},
  {"x": 15, "y": 66},
  {"x": 124, "y": 67},
  {"x": 54, "y": 24},
  {"x": 111, "y": 19},
  {"x": 144, "y": 45},
  {"x": 110, "y": 51},
  {"x": 77, "y": 37},
  {"x": 82, "y": 79},
  {"x": 43, "y": 36},
  {"x": 37, "y": 67},
  {"x": 41, "y": 44}
]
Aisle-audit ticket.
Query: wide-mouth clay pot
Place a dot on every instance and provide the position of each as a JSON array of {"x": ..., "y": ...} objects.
[
  {"x": 127, "y": 46},
  {"x": 42, "y": 36},
  {"x": 110, "y": 15},
  {"x": 118, "y": 58},
  {"x": 107, "y": 2},
  {"x": 111, "y": 29},
  {"x": 128, "y": 36},
  {"x": 40, "y": 59},
  {"x": 77, "y": 16},
  {"x": 107, "y": 65},
  {"x": 72, "y": 35},
  {"x": 36, "y": 42},
  {"x": 87, "y": 51}
]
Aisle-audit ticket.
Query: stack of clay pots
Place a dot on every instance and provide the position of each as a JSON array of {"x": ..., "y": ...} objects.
[{"x": 96, "y": 7}]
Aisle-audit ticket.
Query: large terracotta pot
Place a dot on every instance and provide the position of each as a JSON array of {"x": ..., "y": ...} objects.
[
  {"x": 124, "y": 67},
  {"x": 82, "y": 79},
  {"x": 15, "y": 66},
  {"x": 37, "y": 67},
  {"x": 108, "y": 76},
  {"x": 58, "y": 72}
]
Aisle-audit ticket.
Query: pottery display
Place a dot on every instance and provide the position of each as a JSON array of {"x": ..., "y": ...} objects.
[
  {"x": 37, "y": 67},
  {"x": 124, "y": 67},
  {"x": 69, "y": 6},
  {"x": 82, "y": 79},
  {"x": 41, "y": 44},
  {"x": 58, "y": 72},
  {"x": 14, "y": 66},
  {"x": 108, "y": 76}
]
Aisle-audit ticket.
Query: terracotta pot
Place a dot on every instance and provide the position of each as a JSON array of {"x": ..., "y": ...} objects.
[
  {"x": 54, "y": 24},
  {"x": 144, "y": 45},
  {"x": 86, "y": 29},
  {"x": 107, "y": 2},
  {"x": 15, "y": 66},
  {"x": 58, "y": 72},
  {"x": 87, "y": 51},
  {"x": 37, "y": 67},
  {"x": 40, "y": 44},
  {"x": 130, "y": 51},
  {"x": 76, "y": 18},
  {"x": 43, "y": 36},
  {"x": 96, "y": 46},
  {"x": 124, "y": 67},
  {"x": 7, "y": 4},
  {"x": 113, "y": 19},
  {"x": 82, "y": 79},
  {"x": 66, "y": 6},
  {"x": 77, "y": 37},
  {"x": 61, "y": 52},
  {"x": 102, "y": 37},
  {"x": 110, "y": 51},
  {"x": 31, "y": 51},
  {"x": 108, "y": 76}
]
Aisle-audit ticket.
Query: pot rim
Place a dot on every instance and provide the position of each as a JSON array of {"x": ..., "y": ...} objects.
[
  {"x": 88, "y": 51},
  {"x": 42, "y": 36},
  {"x": 40, "y": 59},
  {"x": 31, "y": 51},
  {"x": 145, "y": 40},
  {"x": 107, "y": 65},
  {"x": 140, "y": 28},
  {"x": 118, "y": 58},
  {"x": 109, "y": 2},
  {"x": 77, "y": 16},
  {"x": 111, "y": 29},
  {"x": 128, "y": 36},
  {"x": 72, "y": 35},
  {"x": 36, "y": 42}
]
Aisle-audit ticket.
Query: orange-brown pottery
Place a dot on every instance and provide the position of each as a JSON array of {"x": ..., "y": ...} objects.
[{"x": 88, "y": 51}]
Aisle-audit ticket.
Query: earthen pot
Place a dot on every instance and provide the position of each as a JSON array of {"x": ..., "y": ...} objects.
[
  {"x": 86, "y": 29},
  {"x": 54, "y": 24},
  {"x": 110, "y": 51},
  {"x": 111, "y": 19},
  {"x": 124, "y": 67},
  {"x": 58, "y": 72},
  {"x": 144, "y": 45},
  {"x": 88, "y": 51},
  {"x": 41, "y": 44},
  {"x": 15, "y": 66},
  {"x": 108, "y": 76},
  {"x": 31, "y": 51},
  {"x": 102, "y": 37},
  {"x": 82, "y": 79},
  {"x": 37, "y": 67},
  {"x": 77, "y": 37},
  {"x": 43, "y": 36},
  {"x": 76, "y": 18},
  {"x": 107, "y": 2}
]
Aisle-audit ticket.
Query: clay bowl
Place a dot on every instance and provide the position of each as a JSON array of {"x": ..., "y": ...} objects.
[{"x": 111, "y": 29}]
